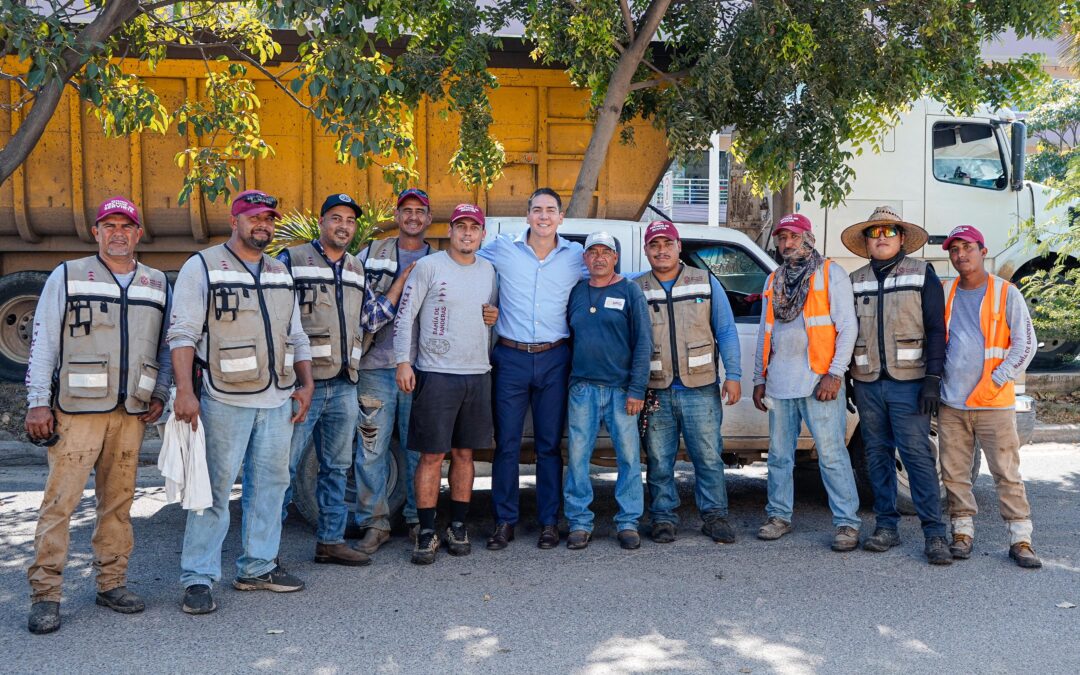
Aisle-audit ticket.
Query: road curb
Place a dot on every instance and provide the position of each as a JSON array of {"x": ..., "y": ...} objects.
[
  {"x": 22, "y": 453},
  {"x": 1056, "y": 433}
]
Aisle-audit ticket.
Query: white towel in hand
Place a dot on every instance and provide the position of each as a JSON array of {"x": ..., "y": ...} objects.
[{"x": 182, "y": 462}]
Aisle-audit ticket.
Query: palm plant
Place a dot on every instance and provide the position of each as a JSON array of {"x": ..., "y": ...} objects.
[{"x": 301, "y": 227}]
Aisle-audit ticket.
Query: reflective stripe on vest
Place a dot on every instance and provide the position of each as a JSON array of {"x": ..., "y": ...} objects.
[
  {"x": 997, "y": 340},
  {"x": 820, "y": 329},
  {"x": 681, "y": 329}
]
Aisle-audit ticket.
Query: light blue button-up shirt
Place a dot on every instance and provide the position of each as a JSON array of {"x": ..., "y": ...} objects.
[{"x": 533, "y": 293}]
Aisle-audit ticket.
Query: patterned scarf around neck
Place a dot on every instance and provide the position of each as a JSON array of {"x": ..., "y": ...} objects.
[{"x": 791, "y": 283}]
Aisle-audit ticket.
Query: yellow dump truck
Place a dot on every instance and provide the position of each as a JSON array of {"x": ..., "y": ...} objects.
[{"x": 47, "y": 207}]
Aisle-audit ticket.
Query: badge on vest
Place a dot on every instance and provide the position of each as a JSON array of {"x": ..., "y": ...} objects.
[{"x": 614, "y": 303}]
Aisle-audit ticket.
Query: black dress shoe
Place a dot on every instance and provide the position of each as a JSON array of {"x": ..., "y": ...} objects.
[
  {"x": 549, "y": 537},
  {"x": 501, "y": 537}
]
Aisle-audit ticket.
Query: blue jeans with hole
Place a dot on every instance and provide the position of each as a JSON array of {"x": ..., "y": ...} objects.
[
  {"x": 259, "y": 440},
  {"x": 696, "y": 413},
  {"x": 591, "y": 404},
  {"x": 827, "y": 422}
]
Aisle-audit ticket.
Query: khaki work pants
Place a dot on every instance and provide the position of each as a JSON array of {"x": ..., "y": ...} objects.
[
  {"x": 995, "y": 430},
  {"x": 107, "y": 444}
]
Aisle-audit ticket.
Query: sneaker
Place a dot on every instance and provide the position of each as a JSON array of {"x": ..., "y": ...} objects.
[
  {"x": 121, "y": 600},
  {"x": 881, "y": 540},
  {"x": 774, "y": 528},
  {"x": 373, "y": 539},
  {"x": 961, "y": 546},
  {"x": 846, "y": 539},
  {"x": 427, "y": 544},
  {"x": 457, "y": 539},
  {"x": 719, "y": 529},
  {"x": 198, "y": 600},
  {"x": 1024, "y": 555},
  {"x": 578, "y": 539},
  {"x": 663, "y": 533},
  {"x": 44, "y": 617},
  {"x": 937, "y": 551},
  {"x": 629, "y": 539},
  {"x": 276, "y": 580}
]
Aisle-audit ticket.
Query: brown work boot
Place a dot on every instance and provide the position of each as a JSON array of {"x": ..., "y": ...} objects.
[
  {"x": 373, "y": 539},
  {"x": 340, "y": 554},
  {"x": 774, "y": 528},
  {"x": 1024, "y": 555},
  {"x": 961, "y": 546},
  {"x": 846, "y": 539}
]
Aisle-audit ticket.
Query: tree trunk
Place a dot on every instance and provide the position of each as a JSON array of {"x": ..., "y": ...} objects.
[
  {"x": 113, "y": 15},
  {"x": 607, "y": 118}
]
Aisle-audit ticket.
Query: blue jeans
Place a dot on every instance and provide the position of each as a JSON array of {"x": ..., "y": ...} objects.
[
  {"x": 382, "y": 406},
  {"x": 331, "y": 421},
  {"x": 891, "y": 422},
  {"x": 258, "y": 439},
  {"x": 827, "y": 422},
  {"x": 697, "y": 414},
  {"x": 591, "y": 404}
]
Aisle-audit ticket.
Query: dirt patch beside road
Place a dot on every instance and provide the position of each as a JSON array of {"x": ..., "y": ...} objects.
[
  {"x": 12, "y": 411},
  {"x": 1057, "y": 408}
]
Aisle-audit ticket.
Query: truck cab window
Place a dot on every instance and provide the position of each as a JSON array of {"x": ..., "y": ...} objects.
[
  {"x": 968, "y": 154},
  {"x": 739, "y": 273}
]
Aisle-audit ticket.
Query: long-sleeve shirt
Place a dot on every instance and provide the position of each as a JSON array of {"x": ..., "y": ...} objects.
[
  {"x": 533, "y": 293},
  {"x": 380, "y": 354},
  {"x": 724, "y": 330},
  {"x": 789, "y": 364},
  {"x": 966, "y": 347},
  {"x": 45, "y": 346},
  {"x": 189, "y": 318},
  {"x": 612, "y": 344}
]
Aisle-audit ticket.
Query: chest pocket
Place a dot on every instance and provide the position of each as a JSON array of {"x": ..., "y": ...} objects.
[{"x": 229, "y": 302}]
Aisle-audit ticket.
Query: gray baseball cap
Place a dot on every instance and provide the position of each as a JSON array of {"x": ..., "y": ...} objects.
[{"x": 602, "y": 238}]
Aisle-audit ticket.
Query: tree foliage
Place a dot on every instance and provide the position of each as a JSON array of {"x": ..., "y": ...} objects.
[
  {"x": 1054, "y": 119},
  {"x": 301, "y": 227},
  {"x": 345, "y": 76}
]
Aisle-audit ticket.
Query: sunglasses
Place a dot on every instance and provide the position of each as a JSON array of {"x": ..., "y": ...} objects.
[
  {"x": 46, "y": 442},
  {"x": 875, "y": 231},
  {"x": 260, "y": 199}
]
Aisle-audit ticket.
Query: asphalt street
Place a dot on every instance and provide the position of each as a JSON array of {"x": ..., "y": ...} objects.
[{"x": 790, "y": 607}]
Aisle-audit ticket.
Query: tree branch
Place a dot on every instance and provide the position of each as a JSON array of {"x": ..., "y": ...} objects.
[
  {"x": 670, "y": 78},
  {"x": 628, "y": 20}
]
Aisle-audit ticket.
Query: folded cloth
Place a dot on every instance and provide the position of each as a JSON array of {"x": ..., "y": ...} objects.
[{"x": 182, "y": 462}]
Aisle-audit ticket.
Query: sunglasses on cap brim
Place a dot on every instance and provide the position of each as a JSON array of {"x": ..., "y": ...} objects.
[{"x": 260, "y": 200}]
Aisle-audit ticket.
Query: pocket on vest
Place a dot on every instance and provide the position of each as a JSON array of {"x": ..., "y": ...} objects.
[
  {"x": 656, "y": 363},
  {"x": 356, "y": 351},
  {"x": 88, "y": 376},
  {"x": 699, "y": 357},
  {"x": 238, "y": 360},
  {"x": 285, "y": 364},
  {"x": 322, "y": 351},
  {"x": 860, "y": 357},
  {"x": 147, "y": 380},
  {"x": 909, "y": 351}
]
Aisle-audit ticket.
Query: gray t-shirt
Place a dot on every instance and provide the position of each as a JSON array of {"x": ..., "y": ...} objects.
[
  {"x": 966, "y": 344},
  {"x": 381, "y": 352},
  {"x": 440, "y": 319}
]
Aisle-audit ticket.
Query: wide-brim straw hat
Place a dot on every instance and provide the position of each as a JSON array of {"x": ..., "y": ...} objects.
[{"x": 914, "y": 236}]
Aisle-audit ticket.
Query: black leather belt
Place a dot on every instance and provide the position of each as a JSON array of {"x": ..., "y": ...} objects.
[{"x": 532, "y": 347}]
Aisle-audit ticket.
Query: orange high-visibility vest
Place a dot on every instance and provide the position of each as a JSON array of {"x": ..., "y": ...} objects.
[
  {"x": 997, "y": 340},
  {"x": 820, "y": 329}
]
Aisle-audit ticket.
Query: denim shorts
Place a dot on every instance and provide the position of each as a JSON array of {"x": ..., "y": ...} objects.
[{"x": 451, "y": 411}]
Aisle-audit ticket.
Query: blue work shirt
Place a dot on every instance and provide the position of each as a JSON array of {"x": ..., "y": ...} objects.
[
  {"x": 724, "y": 330},
  {"x": 612, "y": 336},
  {"x": 533, "y": 293}
]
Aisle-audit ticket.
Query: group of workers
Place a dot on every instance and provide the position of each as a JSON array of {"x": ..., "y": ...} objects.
[{"x": 269, "y": 354}]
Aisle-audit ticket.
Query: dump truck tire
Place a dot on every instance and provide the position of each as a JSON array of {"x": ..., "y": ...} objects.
[{"x": 19, "y": 293}]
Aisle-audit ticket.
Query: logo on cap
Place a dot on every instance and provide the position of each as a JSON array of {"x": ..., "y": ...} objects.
[
  {"x": 345, "y": 198},
  {"x": 121, "y": 204}
]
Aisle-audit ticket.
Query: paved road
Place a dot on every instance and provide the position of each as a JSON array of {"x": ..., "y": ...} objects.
[{"x": 789, "y": 607}]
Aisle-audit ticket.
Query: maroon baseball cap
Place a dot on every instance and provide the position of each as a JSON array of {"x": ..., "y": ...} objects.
[
  {"x": 965, "y": 233},
  {"x": 661, "y": 228},
  {"x": 253, "y": 202},
  {"x": 467, "y": 211},
  {"x": 119, "y": 205},
  {"x": 796, "y": 222},
  {"x": 415, "y": 193}
]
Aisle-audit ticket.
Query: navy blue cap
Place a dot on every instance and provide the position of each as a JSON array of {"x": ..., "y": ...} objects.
[{"x": 340, "y": 200}]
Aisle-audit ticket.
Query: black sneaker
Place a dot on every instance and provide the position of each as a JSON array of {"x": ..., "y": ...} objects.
[
  {"x": 198, "y": 600},
  {"x": 457, "y": 539},
  {"x": 44, "y": 617},
  {"x": 663, "y": 533},
  {"x": 276, "y": 580},
  {"x": 427, "y": 544},
  {"x": 719, "y": 529}
]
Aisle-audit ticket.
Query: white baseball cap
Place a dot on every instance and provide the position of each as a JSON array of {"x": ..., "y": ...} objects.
[{"x": 602, "y": 238}]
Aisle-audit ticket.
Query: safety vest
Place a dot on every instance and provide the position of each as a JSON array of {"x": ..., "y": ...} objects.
[
  {"x": 681, "y": 329},
  {"x": 109, "y": 338},
  {"x": 329, "y": 310},
  {"x": 247, "y": 323},
  {"x": 997, "y": 340},
  {"x": 380, "y": 268},
  {"x": 893, "y": 308},
  {"x": 820, "y": 329}
]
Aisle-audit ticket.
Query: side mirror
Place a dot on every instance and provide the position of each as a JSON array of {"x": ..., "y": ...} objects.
[{"x": 1018, "y": 141}]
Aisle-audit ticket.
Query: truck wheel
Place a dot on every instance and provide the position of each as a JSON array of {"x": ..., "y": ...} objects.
[
  {"x": 307, "y": 475},
  {"x": 1055, "y": 354},
  {"x": 19, "y": 293}
]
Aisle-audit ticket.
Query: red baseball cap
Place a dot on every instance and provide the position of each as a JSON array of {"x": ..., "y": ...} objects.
[
  {"x": 965, "y": 233},
  {"x": 253, "y": 202},
  {"x": 415, "y": 193},
  {"x": 117, "y": 205},
  {"x": 796, "y": 222},
  {"x": 661, "y": 228},
  {"x": 468, "y": 211}
]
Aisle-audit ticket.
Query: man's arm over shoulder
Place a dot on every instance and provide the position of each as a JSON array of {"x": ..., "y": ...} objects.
[
  {"x": 842, "y": 310},
  {"x": 490, "y": 250},
  {"x": 45, "y": 342},
  {"x": 725, "y": 331}
]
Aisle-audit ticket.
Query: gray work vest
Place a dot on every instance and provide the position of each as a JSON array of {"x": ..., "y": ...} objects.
[
  {"x": 681, "y": 326},
  {"x": 109, "y": 338},
  {"x": 247, "y": 323},
  {"x": 897, "y": 301},
  {"x": 380, "y": 268},
  {"x": 329, "y": 310}
]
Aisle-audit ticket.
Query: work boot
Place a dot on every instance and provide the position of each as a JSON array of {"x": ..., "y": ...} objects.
[
  {"x": 881, "y": 540},
  {"x": 276, "y": 580},
  {"x": 578, "y": 539},
  {"x": 629, "y": 539},
  {"x": 340, "y": 554},
  {"x": 501, "y": 537},
  {"x": 718, "y": 528},
  {"x": 121, "y": 600},
  {"x": 1024, "y": 555},
  {"x": 457, "y": 539},
  {"x": 663, "y": 533},
  {"x": 846, "y": 539},
  {"x": 549, "y": 537},
  {"x": 961, "y": 546},
  {"x": 44, "y": 617},
  {"x": 198, "y": 600},
  {"x": 427, "y": 544},
  {"x": 937, "y": 551},
  {"x": 774, "y": 528},
  {"x": 373, "y": 539}
]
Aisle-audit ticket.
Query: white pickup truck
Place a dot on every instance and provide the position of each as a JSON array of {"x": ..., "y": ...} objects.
[{"x": 741, "y": 267}]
